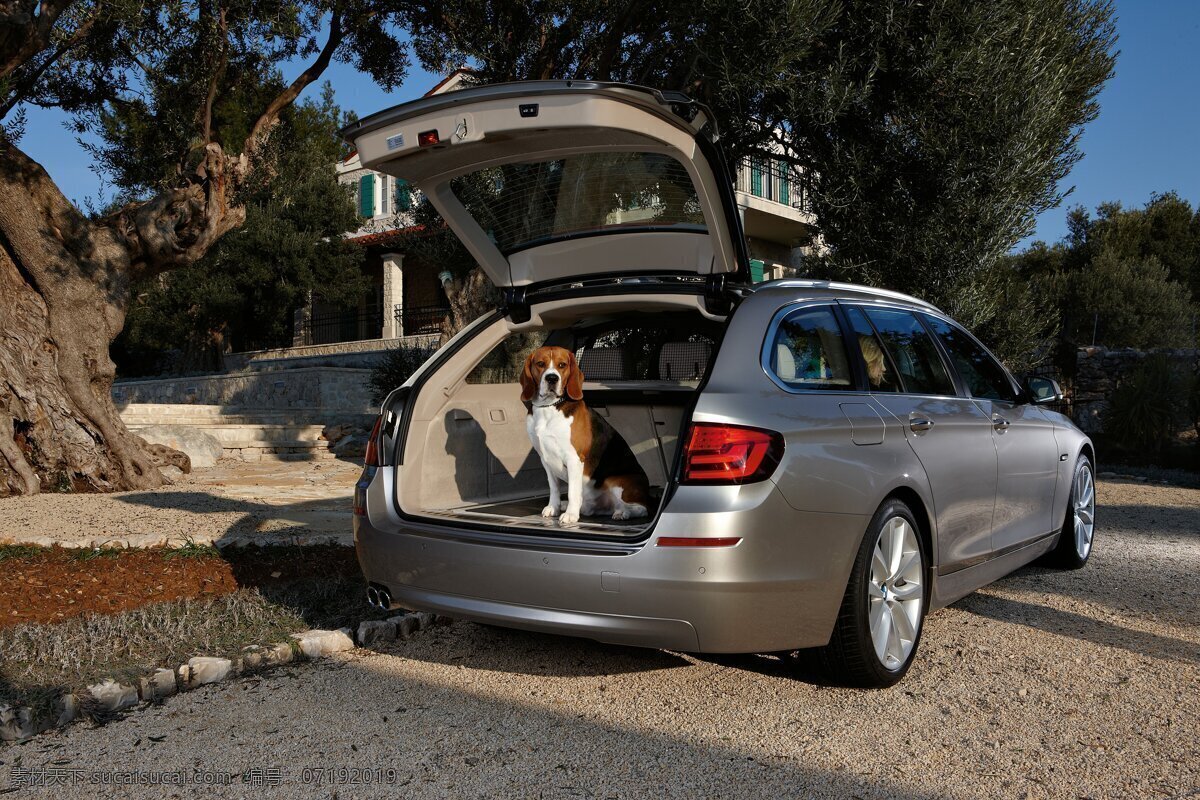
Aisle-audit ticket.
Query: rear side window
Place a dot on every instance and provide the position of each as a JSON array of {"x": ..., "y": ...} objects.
[
  {"x": 881, "y": 372},
  {"x": 504, "y": 363},
  {"x": 913, "y": 351},
  {"x": 985, "y": 378},
  {"x": 807, "y": 351}
]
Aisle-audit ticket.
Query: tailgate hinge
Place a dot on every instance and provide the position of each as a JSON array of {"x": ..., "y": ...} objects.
[
  {"x": 516, "y": 304},
  {"x": 718, "y": 299}
]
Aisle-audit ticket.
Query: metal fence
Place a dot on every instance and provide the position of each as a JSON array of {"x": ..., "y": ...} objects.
[
  {"x": 341, "y": 326},
  {"x": 775, "y": 180},
  {"x": 415, "y": 320}
]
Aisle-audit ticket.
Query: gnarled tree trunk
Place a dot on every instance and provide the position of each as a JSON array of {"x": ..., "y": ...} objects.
[
  {"x": 64, "y": 291},
  {"x": 65, "y": 278}
]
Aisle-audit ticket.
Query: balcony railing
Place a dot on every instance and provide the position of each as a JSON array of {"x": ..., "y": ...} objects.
[
  {"x": 774, "y": 180},
  {"x": 416, "y": 320},
  {"x": 341, "y": 326}
]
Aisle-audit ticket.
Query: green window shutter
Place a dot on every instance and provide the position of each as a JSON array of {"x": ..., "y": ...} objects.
[
  {"x": 366, "y": 196},
  {"x": 756, "y": 270},
  {"x": 756, "y": 177},
  {"x": 784, "y": 195},
  {"x": 404, "y": 200}
]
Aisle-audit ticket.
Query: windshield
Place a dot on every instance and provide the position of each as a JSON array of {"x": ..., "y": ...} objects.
[{"x": 526, "y": 204}]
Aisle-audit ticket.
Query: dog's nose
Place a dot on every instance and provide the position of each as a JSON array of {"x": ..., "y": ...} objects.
[{"x": 552, "y": 379}]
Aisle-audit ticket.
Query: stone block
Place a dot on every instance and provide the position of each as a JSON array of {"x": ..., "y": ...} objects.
[
  {"x": 112, "y": 696},
  {"x": 318, "y": 643},
  {"x": 374, "y": 631},
  {"x": 158, "y": 686},
  {"x": 203, "y": 670}
]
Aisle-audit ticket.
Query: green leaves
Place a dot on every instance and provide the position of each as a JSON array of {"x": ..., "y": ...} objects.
[{"x": 241, "y": 295}]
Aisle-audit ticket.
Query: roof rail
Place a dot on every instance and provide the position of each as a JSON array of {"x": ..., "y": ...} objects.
[{"x": 811, "y": 283}]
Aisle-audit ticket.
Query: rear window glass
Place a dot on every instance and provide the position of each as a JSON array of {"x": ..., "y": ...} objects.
[
  {"x": 913, "y": 351},
  {"x": 530, "y": 203},
  {"x": 807, "y": 351}
]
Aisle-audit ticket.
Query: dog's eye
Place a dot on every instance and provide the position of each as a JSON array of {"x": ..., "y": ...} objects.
[
  {"x": 541, "y": 363},
  {"x": 562, "y": 364}
]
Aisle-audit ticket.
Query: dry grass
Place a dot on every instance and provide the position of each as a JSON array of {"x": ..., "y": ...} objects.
[{"x": 39, "y": 662}]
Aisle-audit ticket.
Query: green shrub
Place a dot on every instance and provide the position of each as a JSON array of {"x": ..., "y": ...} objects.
[
  {"x": 397, "y": 366},
  {"x": 1149, "y": 407}
]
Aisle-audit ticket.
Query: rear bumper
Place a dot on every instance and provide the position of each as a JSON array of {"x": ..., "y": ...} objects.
[{"x": 778, "y": 589}]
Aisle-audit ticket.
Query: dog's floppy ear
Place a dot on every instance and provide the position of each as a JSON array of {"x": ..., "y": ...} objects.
[
  {"x": 575, "y": 382},
  {"x": 528, "y": 384}
]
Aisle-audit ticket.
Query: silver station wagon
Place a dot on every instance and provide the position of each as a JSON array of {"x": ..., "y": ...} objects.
[{"x": 827, "y": 462}]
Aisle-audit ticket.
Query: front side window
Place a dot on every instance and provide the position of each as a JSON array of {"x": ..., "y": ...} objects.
[
  {"x": 531, "y": 203},
  {"x": 985, "y": 378},
  {"x": 913, "y": 351},
  {"x": 807, "y": 351}
]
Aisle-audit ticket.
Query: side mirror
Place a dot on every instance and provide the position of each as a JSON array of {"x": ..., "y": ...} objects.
[{"x": 1043, "y": 391}]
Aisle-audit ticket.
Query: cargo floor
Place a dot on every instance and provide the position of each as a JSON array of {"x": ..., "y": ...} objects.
[{"x": 527, "y": 513}]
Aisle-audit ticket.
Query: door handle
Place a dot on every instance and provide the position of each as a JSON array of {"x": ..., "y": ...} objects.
[
  {"x": 920, "y": 424},
  {"x": 1000, "y": 423}
]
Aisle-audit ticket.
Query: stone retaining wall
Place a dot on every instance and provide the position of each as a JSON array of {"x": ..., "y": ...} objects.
[
  {"x": 324, "y": 389},
  {"x": 362, "y": 354},
  {"x": 1098, "y": 372}
]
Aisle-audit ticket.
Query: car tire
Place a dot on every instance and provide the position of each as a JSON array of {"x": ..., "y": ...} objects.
[
  {"x": 1076, "y": 540},
  {"x": 886, "y": 598}
]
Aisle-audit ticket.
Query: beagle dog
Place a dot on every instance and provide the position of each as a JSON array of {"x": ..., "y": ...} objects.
[{"x": 577, "y": 445}]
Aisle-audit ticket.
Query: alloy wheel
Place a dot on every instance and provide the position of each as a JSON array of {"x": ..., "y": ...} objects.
[
  {"x": 896, "y": 592},
  {"x": 1084, "y": 509}
]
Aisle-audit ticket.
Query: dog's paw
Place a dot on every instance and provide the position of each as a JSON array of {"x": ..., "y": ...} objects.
[
  {"x": 621, "y": 513},
  {"x": 550, "y": 511},
  {"x": 568, "y": 520}
]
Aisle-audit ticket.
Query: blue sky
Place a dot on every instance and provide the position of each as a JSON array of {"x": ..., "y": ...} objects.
[{"x": 1145, "y": 140}]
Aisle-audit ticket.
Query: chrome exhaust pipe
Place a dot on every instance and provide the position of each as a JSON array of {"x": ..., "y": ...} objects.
[
  {"x": 373, "y": 596},
  {"x": 385, "y": 599}
]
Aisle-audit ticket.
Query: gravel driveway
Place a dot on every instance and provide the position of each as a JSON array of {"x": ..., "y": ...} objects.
[{"x": 1045, "y": 685}]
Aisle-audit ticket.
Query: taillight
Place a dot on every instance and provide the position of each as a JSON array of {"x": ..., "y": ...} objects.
[
  {"x": 371, "y": 459},
  {"x": 730, "y": 454}
]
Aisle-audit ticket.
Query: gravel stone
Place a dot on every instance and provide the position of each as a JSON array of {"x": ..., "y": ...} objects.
[{"x": 1109, "y": 656}]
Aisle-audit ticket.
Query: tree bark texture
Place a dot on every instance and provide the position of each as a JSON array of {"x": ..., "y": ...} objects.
[{"x": 64, "y": 291}]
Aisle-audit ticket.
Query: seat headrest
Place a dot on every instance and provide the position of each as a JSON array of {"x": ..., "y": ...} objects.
[
  {"x": 683, "y": 361},
  {"x": 604, "y": 364}
]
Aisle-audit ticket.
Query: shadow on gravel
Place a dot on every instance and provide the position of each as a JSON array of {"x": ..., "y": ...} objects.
[
  {"x": 1168, "y": 522},
  {"x": 528, "y": 653},
  {"x": 1077, "y": 626}
]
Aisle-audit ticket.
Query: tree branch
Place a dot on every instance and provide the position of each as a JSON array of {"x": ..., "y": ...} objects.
[
  {"x": 215, "y": 80},
  {"x": 270, "y": 116},
  {"x": 23, "y": 35},
  {"x": 26, "y": 85}
]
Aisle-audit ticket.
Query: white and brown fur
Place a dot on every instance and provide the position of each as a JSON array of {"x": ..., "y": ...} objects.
[{"x": 577, "y": 445}]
